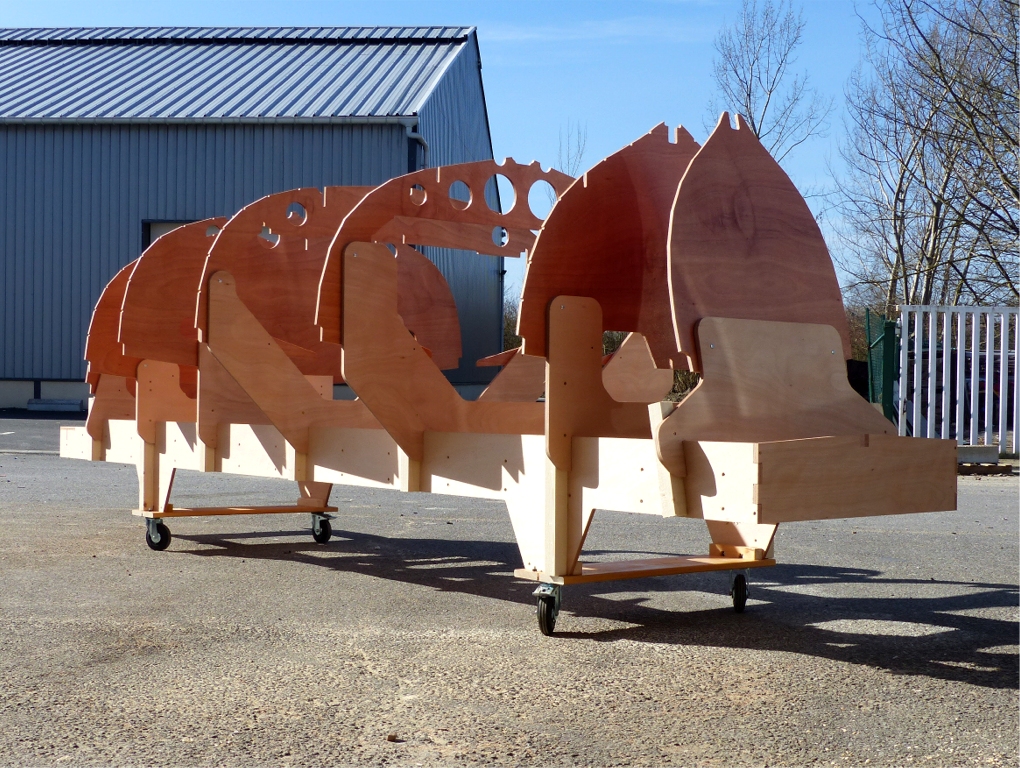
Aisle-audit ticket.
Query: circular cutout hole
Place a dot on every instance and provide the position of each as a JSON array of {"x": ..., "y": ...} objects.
[
  {"x": 296, "y": 214},
  {"x": 391, "y": 248},
  {"x": 500, "y": 236},
  {"x": 500, "y": 194},
  {"x": 541, "y": 198},
  {"x": 418, "y": 194},
  {"x": 460, "y": 195},
  {"x": 268, "y": 238}
]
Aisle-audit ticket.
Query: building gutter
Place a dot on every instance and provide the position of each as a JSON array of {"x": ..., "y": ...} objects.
[
  {"x": 408, "y": 122},
  {"x": 411, "y": 127}
]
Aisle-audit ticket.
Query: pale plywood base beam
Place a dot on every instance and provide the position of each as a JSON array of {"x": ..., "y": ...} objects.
[
  {"x": 639, "y": 569},
  {"x": 170, "y": 511}
]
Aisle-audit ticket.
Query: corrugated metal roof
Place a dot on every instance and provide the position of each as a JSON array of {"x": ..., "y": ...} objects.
[{"x": 226, "y": 74}]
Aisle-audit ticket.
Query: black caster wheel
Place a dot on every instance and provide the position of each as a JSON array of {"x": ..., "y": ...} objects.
[
  {"x": 547, "y": 615},
  {"x": 739, "y": 593},
  {"x": 322, "y": 532},
  {"x": 157, "y": 537},
  {"x": 548, "y": 607}
]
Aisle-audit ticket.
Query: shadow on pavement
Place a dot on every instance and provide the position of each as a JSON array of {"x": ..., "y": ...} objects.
[{"x": 904, "y": 633}]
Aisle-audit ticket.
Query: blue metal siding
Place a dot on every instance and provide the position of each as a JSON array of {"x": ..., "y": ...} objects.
[
  {"x": 74, "y": 198},
  {"x": 454, "y": 123}
]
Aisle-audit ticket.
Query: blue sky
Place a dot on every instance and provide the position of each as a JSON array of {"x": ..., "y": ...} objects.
[{"x": 616, "y": 67}]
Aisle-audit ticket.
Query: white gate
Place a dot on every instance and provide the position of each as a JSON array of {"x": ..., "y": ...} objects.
[{"x": 958, "y": 374}]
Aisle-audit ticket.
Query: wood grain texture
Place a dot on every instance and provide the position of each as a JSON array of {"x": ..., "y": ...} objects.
[
  {"x": 766, "y": 381},
  {"x": 630, "y": 376},
  {"x": 522, "y": 380},
  {"x": 576, "y": 403},
  {"x": 221, "y": 400},
  {"x": 720, "y": 489},
  {"x": 159, "y": 398},
  {"x": 394, "y": 376},
  {"x": 425, "y": 196},
  {"x": 267, "y": 375},
  {"x": 113, "y": 400},
  {"x": 103, "y": 351},
  {"x": 606, "y": 238},
  {"x": 639, "y": 569},
  {"x": 839, "y": 477},
  {"x": 425, "y": 304},
  {"x": 157, "y": 316},
  {"x": 276, "y": 257},
  {"x": 743, "y": 243}
]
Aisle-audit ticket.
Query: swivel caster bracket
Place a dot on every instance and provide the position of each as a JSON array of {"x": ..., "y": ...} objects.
[
  {"x": 157, "y": 535},
  {"x": 549, "y": 598},
  {"x": 322, "y": 531}
]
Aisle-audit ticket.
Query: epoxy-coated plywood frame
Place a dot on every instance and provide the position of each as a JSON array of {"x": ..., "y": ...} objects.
[
  {"x": 113, "y": 400},
  {"x": 275, "y": 249},
  {"x": 157, "y": 317},
  {"x": 743, "y": 243},
  {"x": 221, "y": 400},
  {"x": 766, "y": 381},
  {"x": 420, "y": 209},
  {"x": 394, "y": 376},
  {"x": 159, "y": 398},
  {"x": 630, "y": 376},
  {"x": 606, "y": 238},
  {"x": 248, "y": 353},
  {"x": 576, "y": 403},
  {"x": 426, "y": 305},
  {"x": 103, "y": 351},
  {"x": 522, "y": 379}
]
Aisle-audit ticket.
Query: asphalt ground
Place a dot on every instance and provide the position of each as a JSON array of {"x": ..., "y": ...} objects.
[
  {"x": 406, "y": 641},
  {"x": 23, "y": 431}
]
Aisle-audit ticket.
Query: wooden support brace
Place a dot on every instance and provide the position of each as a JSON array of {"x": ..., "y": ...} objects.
[{"x": 269, "y": 378}]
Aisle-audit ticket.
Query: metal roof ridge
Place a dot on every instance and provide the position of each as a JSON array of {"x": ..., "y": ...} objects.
[
  {"x": 394, "y": 119},
  {"x": 141, "y": 36}
]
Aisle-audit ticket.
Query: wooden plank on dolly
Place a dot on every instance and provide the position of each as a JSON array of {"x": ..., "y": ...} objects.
[{"x": 639, "y": 569}]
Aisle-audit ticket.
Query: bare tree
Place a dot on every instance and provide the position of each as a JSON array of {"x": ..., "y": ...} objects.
[
  {"x": 929, "y": 200},
  {"x": 573, "y": 143},
  {"x": 753, "y": 72},
  {"x": 570, "y": 152},
  {"x": 511, "y": 305}
]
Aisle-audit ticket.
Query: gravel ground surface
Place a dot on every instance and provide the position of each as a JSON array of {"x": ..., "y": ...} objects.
[{"x": 406, "y": 641}]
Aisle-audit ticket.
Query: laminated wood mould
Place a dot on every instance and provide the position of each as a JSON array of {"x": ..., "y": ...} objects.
[{"x": 218, "y": 348}]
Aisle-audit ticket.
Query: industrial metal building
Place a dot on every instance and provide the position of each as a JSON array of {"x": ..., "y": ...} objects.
[{"x": 108, "y": 137}]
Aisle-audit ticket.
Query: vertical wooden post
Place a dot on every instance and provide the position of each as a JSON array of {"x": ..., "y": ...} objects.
[{"x": 409, "y": 471}]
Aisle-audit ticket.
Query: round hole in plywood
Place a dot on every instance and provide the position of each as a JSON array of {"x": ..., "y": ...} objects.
[
  {"x": 296, "y": 214},
  {"x": 500, "y": 194},
  {"x": 541, "y": 198},
  {"x": 500, "y": 236},
  {"x": 460, "y": 195},
  {"x": 268, "y": 238},
  {"x": 418, "y": 194}
]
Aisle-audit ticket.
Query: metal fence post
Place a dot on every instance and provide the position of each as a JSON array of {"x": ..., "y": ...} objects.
[{"x": 890, "y": 372}]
